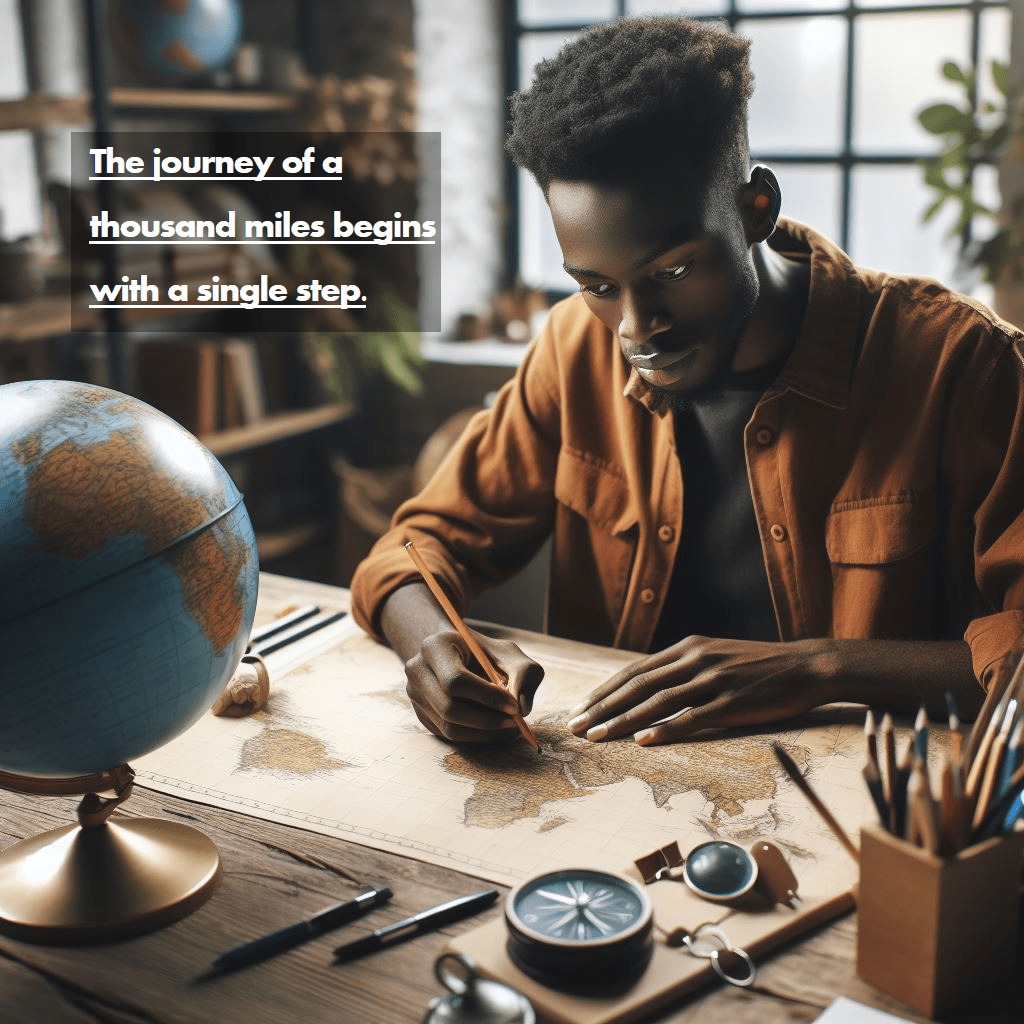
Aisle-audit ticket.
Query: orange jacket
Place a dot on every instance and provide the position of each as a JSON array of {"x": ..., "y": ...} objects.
[{"x": 886, "y": 465}]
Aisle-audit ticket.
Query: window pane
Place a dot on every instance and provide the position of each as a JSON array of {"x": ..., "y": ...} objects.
[
  {"x": 995, "y": 44},
  {"x": 789, "y": 5},
  {"x": 692, "y": 7},
  {"x": 887, "y": 231},
  {"x": 798, "y": 72},
  {"x": 540, "y": 253},
  {"x": 898, "y": 62},
  {"x": 535, "y": 47},
  {"x": 810, "y": 193},
  {"x": 535, "y": 13}
]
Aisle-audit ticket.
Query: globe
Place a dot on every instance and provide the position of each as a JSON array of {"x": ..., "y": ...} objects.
[
  {"x": 177, "y": 40},
  {"x": 128, "y": 579}
]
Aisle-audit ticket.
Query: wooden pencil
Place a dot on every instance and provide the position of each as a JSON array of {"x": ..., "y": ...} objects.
[
  {"x": 791, "y": 769},
  {"x": 464, "y": 631},
  {"x": 980, "y": 759},
  {"x": 999, "y": 691},
  {"x": 888, "y": 755},
  {"x": 1003, "y": 747},
  {"x": 922, "y": 819},
  {"x": 956, "y": 732}
]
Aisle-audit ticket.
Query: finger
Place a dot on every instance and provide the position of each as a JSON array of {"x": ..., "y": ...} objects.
[
  {"x": 726, "y": 711},
  {"x": 443, "y": 657},
  {"x": 456, "y": 733},
  {"x": 648, "y": 685},
  {"x": 662, "y": 704},
  {"x": 523, "y": 681}
]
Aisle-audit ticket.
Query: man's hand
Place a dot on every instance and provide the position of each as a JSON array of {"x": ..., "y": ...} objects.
[
  {"x": 701, "y": 683},
  {"x": 454, "y": 699},
  {"x": 449, "y": 692}
]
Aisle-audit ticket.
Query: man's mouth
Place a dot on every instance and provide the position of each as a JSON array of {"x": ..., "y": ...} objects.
[{"x": 663, "y": 369}]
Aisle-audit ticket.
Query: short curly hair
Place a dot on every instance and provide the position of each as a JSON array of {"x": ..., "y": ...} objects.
[{"x": 636, "y": 99}]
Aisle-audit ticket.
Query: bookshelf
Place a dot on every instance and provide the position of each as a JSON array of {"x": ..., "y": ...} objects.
[{"x": 251, "y": 448}]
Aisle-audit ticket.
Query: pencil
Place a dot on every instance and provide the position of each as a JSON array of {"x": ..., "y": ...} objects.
[
  {"x": 791, "y": 769},
  {"x": 999, "y": 809},
  {"x": 956, "y": 732},
  {"x": 951, "y": 804},
  {"x": 984, "y": 745},
  {"x": 1001, "y": 748},
  {"x": 999, "y": 689},
  {"x": 871, "y": 738},
  {"x": 922, "y": 820},
  {"x": 464, "y": 631},
  {"x": 889, "y": 778},
  {"x": 921, "y": 734},
  {"x": 877, "y": 791}
]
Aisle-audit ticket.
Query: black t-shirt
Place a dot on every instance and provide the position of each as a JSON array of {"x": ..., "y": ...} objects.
[{"x": 719, "y": 586}]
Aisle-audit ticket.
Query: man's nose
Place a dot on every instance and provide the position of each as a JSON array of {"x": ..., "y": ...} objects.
[{"x": 640, "y": 322}]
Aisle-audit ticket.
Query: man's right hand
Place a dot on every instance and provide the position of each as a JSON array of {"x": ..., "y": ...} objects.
[{"x": 449, "y": 692}]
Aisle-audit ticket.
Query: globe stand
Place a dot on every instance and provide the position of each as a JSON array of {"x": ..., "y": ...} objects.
[{"x": 101, "y": 880}]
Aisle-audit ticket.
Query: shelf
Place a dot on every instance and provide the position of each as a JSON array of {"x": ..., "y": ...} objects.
[
  {"x": 231, "y": 101},
  {"x": 39, "y": 111},
  {"x": 31, "y": 319},
  {"x": 278, "y": 427}
]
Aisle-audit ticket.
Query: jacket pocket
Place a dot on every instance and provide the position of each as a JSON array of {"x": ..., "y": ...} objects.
[
  {"x": 884, "y": 567},
  {"x": 593, "y": 492},
  {"x": 594, "y": 550},
  {"x": 880, "y": 530}
]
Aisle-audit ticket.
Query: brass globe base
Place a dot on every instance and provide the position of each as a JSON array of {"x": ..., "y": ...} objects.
[{"x": 86, "y": 884}]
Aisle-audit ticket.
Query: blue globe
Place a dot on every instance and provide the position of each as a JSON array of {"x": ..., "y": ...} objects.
[
  {"x": 128, "y": 578},
  {"x": 177, "y": 40}
]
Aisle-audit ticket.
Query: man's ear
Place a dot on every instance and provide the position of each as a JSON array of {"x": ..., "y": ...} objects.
[{"x": 761, "y": 202}]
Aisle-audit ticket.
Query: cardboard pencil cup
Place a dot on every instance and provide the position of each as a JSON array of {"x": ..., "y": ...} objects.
[{"x": 933, "y": 930}]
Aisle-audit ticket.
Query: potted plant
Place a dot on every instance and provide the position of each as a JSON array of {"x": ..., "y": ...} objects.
[{"x": 975, "y": 135}]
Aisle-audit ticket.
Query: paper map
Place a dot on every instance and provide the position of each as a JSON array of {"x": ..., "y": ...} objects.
[{"x": 339, "y": 751}]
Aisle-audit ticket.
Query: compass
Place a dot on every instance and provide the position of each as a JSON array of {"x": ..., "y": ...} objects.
[{"x": 580, "y": 928}]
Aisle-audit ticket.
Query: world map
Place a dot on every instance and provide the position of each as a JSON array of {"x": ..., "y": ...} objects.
[{"x": 339, "y": 750}]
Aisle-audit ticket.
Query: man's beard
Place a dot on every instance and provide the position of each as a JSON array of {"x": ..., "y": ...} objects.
[{"x": 742, "y": 309}]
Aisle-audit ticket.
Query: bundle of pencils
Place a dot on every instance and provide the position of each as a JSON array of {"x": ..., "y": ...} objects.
[{"x": 982, "y": 777}]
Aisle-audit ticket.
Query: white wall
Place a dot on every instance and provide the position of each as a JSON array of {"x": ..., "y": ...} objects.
[{"x": 459, "y": 61}]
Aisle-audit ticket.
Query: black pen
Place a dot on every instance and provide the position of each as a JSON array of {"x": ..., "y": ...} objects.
[
  {"x": 299, "y": 631},
  {"x": 425, "y": 921},
  {"x": 280, "y": 624},
  {"x": 294, "y": 935}
]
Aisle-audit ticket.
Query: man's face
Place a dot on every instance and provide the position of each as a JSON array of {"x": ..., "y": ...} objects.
[{"x": 668, "y": 271}]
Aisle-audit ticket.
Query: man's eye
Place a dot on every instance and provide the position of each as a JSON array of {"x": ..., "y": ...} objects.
[
  {"x": 674, "y": 273},
  {"x": 599, "y": 291}
]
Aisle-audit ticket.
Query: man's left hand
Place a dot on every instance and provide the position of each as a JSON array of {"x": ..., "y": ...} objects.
[{"x": 703, "y": 683}]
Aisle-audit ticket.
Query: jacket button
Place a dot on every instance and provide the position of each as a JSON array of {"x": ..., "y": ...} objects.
[
  {"x": 666, "y": 533},
  {"x": 777, "y": 531},
  {"x": 764, "y": 436},
  {"x": 647, "y": 596}
]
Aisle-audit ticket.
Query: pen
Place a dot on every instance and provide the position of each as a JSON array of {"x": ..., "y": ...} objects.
[
  {"x": 300, "y": 629},
  {"x": 464, "y": 631},
  {"x": 279, "y": 625},
  {"x": 425, "y": 921},
  {"x": 294, "y": 935}
]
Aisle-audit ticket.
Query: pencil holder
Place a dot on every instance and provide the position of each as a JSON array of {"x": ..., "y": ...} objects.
[{"x": 932, "y": 930}]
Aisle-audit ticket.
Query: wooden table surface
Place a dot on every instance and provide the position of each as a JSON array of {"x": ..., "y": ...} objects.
[{"x": 276, "y": 874}]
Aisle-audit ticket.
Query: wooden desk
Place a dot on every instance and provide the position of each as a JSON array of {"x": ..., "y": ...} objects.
[{"x": 274, "y": 874}]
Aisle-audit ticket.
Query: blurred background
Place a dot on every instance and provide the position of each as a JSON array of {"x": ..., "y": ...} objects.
[{"x": 894, "y": 128}]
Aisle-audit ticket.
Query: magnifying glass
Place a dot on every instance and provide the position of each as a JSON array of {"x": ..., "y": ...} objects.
[{"x": 722, "y": 871}]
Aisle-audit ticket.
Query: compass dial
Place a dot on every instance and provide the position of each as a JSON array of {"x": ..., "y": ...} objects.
[{"x": 579, "y": 926}]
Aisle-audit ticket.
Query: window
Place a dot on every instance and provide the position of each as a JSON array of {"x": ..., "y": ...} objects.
[{"x": 837, "y": 89}]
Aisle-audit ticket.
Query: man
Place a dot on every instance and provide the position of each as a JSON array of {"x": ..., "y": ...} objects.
[{"x": 792, "y": 480}]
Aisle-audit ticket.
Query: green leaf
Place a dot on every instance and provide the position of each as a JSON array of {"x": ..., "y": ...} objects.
[
  {"x": 944, "y": 118},
  {"x": 955, "y": 73},
  {"x": 1001, "y": 76}
]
